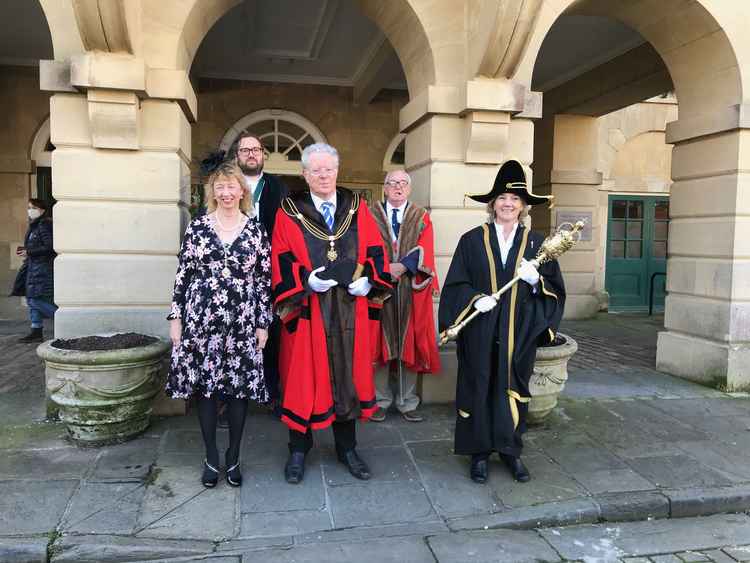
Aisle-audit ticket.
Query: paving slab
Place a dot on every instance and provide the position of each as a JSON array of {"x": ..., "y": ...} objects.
[
  {"x": 729, "y": 461},
  {"x": 33, "y": 507},
  {"x": 374, "y": 532},
  {"x": 264, "y": 489},
  {"x": 550, "y": 483},
  {"x": 498, "y": 546},
  {"x": 289, "y": 523},
  {"x": 104, "y": 508},
  {"x": 369, "y": 504},
  {"x": 571, "y": 512},
  {"x": 176, "y": 505},
  {"x": 23, "y": 550},
  {"x": 392, "y": 550},
  {"x": 387, "y": 464},
  {"x": 33, "y": 436},
  {"x": 647, "y": 538},
  {"x": 446, "y": 480},
  {"x": 64, "y": 463},
  {"x": 579, "y": 453},
  {"x": 612, "y": 481},
  {"x": 130, "y": 461},
  {"x": 677, "y": 471},
  {"x": 117, "y": 549},
  {"x": 740, "y": 553}
]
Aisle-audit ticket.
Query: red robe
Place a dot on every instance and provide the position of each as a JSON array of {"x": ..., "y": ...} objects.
[
  {"x": 308, "y": 399},
  {"x": 415, "y": 248}
]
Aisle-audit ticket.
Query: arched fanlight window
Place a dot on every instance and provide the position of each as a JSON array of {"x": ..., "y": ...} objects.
[
  {"x": 395, "y": 154},
  {"x": 284, "y": 135}
]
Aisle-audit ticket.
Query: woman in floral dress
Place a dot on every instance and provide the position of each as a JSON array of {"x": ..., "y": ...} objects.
[{"x": 221, "y": 309}]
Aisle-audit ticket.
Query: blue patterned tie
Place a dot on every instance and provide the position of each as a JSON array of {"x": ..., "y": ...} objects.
[
  {"x": 327, "y": 215},
  {"x": 394, "y": 222}
]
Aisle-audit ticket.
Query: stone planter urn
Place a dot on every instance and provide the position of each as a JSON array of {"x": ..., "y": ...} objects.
[
  {"x": 549, "y": 377},
  {"x": 104, "y": 396}
]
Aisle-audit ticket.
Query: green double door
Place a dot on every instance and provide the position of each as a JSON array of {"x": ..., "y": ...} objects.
[{"x": 637, "y": 233}]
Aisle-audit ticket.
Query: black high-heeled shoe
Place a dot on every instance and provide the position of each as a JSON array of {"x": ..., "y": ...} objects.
[
  {"x": 210, "y": 475},
  {"x": 234, "y": 475}
]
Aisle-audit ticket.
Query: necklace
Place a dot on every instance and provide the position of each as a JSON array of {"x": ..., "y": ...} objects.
[
  {"x": 223, "y": 228},
  {"x": 319, "y": 233},
  {"x": 225, "y": 246}
]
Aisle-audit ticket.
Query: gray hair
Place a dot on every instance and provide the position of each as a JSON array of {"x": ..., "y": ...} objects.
[
  {"x": 323, "y": 148},
  {"x": 392, "y": 172}
]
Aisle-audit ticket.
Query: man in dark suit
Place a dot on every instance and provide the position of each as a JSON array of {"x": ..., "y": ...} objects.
[{"x": 268, "y": 191}]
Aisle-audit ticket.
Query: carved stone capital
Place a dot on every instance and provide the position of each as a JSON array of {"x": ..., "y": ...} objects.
[{"x": 103, "y": 25}]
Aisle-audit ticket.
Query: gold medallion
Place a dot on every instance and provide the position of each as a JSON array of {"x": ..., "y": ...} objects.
[{"x": 332, "y": 254}]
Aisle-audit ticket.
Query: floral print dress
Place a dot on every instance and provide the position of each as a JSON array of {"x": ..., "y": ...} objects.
[{"x": 222, "y": 293}]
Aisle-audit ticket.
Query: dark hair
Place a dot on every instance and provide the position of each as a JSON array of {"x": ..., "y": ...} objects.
[
  {"x": 245, "y": 135},
  {"x": 42, "y": 204}
]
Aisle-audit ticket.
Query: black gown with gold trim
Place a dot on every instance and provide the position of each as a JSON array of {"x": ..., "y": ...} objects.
[{"x": 496, "y": 350}]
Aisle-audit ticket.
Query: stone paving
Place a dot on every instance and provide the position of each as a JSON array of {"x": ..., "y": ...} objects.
[{"x": 627, "y": 449}]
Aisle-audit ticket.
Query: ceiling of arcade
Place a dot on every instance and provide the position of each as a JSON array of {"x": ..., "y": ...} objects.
[{"x": 324, "y": 42}]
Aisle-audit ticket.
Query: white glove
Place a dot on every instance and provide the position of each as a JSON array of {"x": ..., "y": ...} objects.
[
  {"x": 528, "y": 272},
  {"x": 318, "y": 285},
  {"x": 484, "y": 304},
  {"x": 360, "y": 287}
]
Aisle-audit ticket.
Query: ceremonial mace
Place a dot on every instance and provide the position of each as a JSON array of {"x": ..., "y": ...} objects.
[{"x": 552, "y": 247}]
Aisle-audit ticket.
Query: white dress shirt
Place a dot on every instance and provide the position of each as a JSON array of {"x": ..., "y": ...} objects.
[
  {"x": 319, "y": 201},
  {"x": 505, "y": 244},
  {"x": 252, "y": 184},
  {"x": 399, "y": 214}
]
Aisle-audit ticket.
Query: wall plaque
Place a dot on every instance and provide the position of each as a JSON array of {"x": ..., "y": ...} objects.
[{"x": 572, "y": 217}]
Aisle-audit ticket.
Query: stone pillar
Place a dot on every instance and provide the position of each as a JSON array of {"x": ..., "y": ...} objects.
[
  {"x": 707, "y": 310},
  {"x": 121, "y": 178},
  {"x": 574, "y": 181},
  {"x": 455, "y": 142}
]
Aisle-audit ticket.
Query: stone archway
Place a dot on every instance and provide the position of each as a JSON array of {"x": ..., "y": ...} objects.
[{"x": 705, "y": 53}]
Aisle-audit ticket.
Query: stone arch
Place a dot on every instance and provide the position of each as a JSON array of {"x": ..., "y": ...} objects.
[
  {"x": 283, "y": 144},
  {"x": 704, "y": 49}
]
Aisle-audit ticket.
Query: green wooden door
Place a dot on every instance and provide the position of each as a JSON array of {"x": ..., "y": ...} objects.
[{"x": 637, "y": 232}]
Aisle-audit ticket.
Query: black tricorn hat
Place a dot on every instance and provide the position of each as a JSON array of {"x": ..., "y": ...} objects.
[{"x": 511, "y": 178}]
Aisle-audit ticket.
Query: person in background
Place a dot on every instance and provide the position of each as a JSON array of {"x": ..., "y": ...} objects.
[
  {"x": 221, "y": 310},
  {"x": 409, "y": 344},
  {"x": 35, "y": 279}
]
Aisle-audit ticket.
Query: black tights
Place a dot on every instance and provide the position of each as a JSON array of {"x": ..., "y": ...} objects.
[{"x": 207, "y": 415}]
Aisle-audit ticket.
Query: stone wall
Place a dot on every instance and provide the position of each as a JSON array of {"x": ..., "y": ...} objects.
[{"x": 361, "y": 133}]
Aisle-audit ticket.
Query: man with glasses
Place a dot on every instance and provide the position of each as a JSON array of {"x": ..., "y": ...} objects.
[
  {"x": 409, "y": 344},
  {"x": 329, "y": 279},
  {"x": 267, "y": 191}
]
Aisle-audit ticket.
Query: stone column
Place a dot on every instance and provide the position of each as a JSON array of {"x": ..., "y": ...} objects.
[
  {"x": 121, "y": 178},
  {"x": 455, "y": 142},
  {"x": 571, "y": 158},
  {"x": 707, "y": 310}
]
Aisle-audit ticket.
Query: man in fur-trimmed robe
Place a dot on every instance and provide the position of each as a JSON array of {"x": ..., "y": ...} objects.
[
  {"x": 329, "y": 277},
  {"x": 408, "y": 346}
]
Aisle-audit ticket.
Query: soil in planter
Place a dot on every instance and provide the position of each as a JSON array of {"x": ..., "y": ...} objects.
[
  {"x": 558, "y": 341},
  {"x": 98, "y": 343}
]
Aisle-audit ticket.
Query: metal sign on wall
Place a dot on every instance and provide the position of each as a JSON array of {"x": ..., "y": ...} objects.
[{"x": 572, "y": 217}]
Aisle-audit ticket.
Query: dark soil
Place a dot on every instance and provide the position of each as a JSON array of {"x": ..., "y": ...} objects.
[
  {"x": 558, "y": 341},
  {"x": 96, "y": 343}
]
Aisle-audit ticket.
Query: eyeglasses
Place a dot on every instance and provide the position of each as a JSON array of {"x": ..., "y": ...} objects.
[
  {"x": 244, "y": 151},
  {"x": 323, "y": 172},
  {"x": 394, "y": 183}
]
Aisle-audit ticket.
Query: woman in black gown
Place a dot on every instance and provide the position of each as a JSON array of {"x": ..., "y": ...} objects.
[{"x": 496, "y": 350}]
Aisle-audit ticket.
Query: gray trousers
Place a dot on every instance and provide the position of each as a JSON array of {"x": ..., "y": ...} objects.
[{"x": 387, "y": 389}]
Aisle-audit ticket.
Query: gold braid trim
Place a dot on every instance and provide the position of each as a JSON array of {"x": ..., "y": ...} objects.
[
  {"x": 546, "y": 291},
  {"x": 490, "y": 257},
  {"x": 512, "y": 326}
]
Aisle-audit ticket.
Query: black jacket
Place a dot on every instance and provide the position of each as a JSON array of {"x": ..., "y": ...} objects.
[
  {"x": 274, "y": 191},
  {"x": 35, "y": 279}
]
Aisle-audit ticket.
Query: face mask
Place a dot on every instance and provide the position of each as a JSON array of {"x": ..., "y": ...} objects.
[{"x": 34, "y": 213}]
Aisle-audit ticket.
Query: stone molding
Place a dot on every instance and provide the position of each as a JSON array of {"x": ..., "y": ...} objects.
[
  {"x": 578, "y": 177},
  {"x": 730, "y": 119},
  {"x": 102, "y": 25},
  {"x": 508, "y": 36},
  {"x": 108, "y": 71}
]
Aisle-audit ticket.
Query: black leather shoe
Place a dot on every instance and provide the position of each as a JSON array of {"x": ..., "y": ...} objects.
[
  {"x": 519, "y": 471},
  {"x": 357, "y": 467},
  {"x": 294, "y": 471},
  {"x": 479, "y": 469},
  {"x": 210, "y": 475},
  {"x": 35, "y": 335},
  {"x": 234, "y": 475}
]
